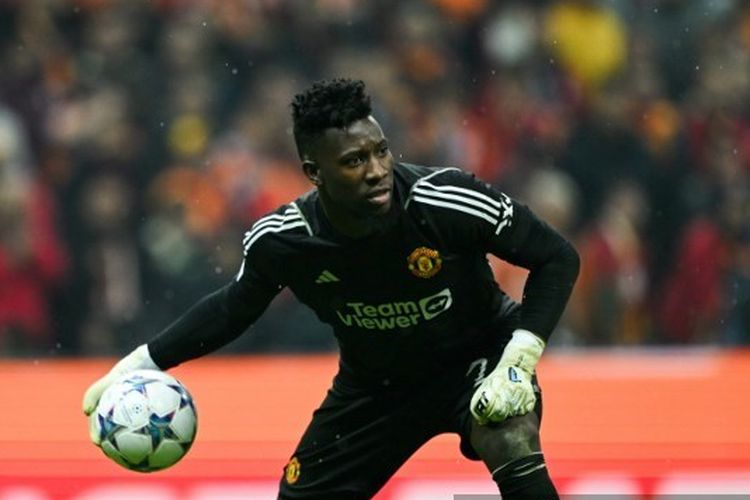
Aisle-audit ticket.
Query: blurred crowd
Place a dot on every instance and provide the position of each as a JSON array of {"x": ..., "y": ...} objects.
[{"x": 139, "y": 139}]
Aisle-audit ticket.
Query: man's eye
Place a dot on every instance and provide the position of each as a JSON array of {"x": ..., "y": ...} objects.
[
  {"x": 354, "y": 161},
  {"x": 383, "y": 150}
]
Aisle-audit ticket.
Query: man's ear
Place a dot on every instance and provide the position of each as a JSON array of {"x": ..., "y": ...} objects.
[{"x": 311, "y": 170}]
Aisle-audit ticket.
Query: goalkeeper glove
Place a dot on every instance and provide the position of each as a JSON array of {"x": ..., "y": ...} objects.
[
  {"x": 507, "y": 391},
  {"x": 139, "y": 359}
]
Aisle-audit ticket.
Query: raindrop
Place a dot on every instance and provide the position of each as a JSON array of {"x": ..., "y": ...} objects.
[
  {"x": 58, "y": 345},
  {"x": 234, "y": 71},
  {"x": 161, "y": 124},
  {"x": 218, "y": 270},
  {"x": 697, "y": 68},
  {"x": 656, "y": 10},
  {"x": 204, "y": 23}
]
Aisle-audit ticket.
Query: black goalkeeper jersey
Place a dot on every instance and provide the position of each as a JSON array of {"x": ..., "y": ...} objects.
[{"x": 403, "y": 301}]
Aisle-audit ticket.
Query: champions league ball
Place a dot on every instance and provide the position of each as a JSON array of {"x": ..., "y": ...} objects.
[{"x": 146, "y": 421}]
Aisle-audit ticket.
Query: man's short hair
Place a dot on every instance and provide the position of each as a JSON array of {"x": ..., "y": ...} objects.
[{"x": 335, "y": 103}]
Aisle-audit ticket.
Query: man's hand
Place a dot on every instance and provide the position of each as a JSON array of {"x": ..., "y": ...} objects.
[
  {"x": 507, "y": 390},
  {"x": 139, "y": 359}
]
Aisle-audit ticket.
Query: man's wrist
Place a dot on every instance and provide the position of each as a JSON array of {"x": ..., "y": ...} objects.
[
  {"x": 139, "y": 359},
  {"x": 523, "y": 350}
]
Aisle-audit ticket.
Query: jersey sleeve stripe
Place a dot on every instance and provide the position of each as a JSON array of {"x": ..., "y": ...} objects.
[
  {"x": 272, "y": 229},
  {"x": 268, "y": 223},
  {"x": 304, "y": 219},
  {"x": 455, "y": 189},
  {"x": 241, "y": 272},
  {"x": 289, "y": 211},
  {"x": 264, "y": 220},
  {"x": 461, "y": 208},
  {"x": 464, "y": 200},
  {"x": 441, "y": 171},
  {"x": 250, "y": 235},
  {"x": 273, "y": 222}
]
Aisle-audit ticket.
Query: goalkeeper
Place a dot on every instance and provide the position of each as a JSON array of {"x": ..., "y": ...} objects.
[{"x": 393, "y": 257}]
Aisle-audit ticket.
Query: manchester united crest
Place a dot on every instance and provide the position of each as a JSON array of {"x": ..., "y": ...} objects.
[
  {"x": 424, "y": 262},
  {"x": 292, "y": 470}
]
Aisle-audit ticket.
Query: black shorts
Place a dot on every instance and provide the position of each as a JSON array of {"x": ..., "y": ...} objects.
[{"x": 358, "y": 439}]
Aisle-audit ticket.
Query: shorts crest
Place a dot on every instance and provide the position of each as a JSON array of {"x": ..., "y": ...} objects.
[{"x": 292, "y": 471}]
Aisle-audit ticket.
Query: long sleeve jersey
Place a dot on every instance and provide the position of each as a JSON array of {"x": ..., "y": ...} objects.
[{"x": 405, "y": 300}]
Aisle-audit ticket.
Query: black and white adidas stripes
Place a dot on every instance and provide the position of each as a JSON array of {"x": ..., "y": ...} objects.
[
  {"x": 292, "y": 218},
  {"x": 499, "y": 213}
]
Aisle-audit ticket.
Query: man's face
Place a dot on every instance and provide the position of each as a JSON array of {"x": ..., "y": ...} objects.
[{"x": 353, "y": 169}]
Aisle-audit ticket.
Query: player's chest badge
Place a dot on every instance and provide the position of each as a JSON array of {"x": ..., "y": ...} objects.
[{"x": 424, "y": 262}]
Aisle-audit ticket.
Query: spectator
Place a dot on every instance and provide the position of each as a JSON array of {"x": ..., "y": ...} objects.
[
  {"x": 610, "y": 301},
  {"x": 146, "y": 101},
  {"x": 33, "y": 261}
]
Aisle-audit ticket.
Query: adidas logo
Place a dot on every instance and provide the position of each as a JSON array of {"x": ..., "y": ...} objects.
[{"x": 326, "y": 277}]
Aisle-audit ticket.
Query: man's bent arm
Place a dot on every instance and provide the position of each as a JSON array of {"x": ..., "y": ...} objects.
[{"x": 553, "y": 266}]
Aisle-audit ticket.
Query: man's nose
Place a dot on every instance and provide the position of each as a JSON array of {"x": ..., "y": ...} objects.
[{"x": 376, "y": 168}]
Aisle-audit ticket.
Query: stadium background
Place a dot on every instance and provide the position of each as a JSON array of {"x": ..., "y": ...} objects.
[{"x": 139, "y": 139}]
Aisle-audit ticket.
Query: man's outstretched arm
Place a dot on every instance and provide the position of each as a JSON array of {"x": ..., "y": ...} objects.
[{"x": 211, "y": 323}]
